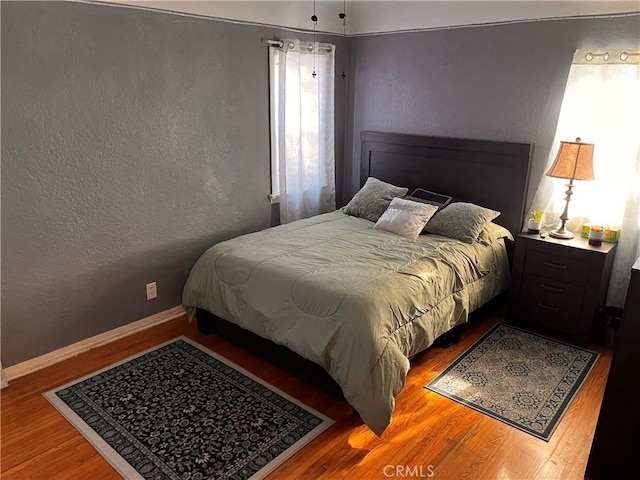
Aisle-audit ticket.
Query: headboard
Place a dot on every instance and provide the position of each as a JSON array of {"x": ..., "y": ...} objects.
[{"x": 488, "y": 173}]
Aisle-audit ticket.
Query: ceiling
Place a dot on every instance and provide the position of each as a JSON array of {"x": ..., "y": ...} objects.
[{"x": 368, "y": 17}]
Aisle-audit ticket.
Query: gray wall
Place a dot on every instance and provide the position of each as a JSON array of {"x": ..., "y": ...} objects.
[
  {"x": 502, "y": 82},
  {"x": 131, "y": 141}
]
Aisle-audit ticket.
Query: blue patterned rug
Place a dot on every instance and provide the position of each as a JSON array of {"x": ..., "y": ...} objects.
[
  {"x": 518, "y": 377},
  {"x": 179, "y": 411}
]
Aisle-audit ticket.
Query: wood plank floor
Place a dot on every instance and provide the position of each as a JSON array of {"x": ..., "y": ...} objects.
[{"x": 431, "y": 436}]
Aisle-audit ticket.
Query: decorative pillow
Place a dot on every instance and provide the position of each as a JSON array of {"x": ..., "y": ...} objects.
[
  {"x": 432, "y": 198},
  {"x": 373, "y": 199},
  {"x": 492, "y": 232},
  {"x": 406, "y": 218},
  {"x": 462, "y": 221}
]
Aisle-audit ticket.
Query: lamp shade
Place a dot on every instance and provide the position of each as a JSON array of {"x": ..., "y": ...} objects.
[{"x": 574, "y": 161}]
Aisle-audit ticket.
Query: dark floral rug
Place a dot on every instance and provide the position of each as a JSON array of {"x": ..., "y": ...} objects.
[
  {"x": 179, "y": 411},
  {"x": 518, "y": 377}
]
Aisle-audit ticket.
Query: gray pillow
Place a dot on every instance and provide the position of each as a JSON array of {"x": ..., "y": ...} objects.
[
  {"x": 462, "y": 221},
  {"x": 373, "y": 199}
]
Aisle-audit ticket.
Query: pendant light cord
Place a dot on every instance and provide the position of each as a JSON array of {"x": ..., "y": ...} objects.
[
  {"x": 314, "y": 18},
  {"x": 343, "y": 16}
]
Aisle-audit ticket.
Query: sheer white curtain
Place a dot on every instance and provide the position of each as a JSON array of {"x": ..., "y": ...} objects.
[
  {"x": 601, "y": 105},
  {"x": 302, "y": 114}
]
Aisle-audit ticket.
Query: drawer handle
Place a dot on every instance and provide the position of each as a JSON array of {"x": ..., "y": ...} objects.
[
  {"x": 550, "y": 287},
  {"x": 554, "y": 265},
  {"x": 548, "y": 307}
]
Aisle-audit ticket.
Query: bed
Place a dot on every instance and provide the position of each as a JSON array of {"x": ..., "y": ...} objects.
[{"x": 346, "y": 304}]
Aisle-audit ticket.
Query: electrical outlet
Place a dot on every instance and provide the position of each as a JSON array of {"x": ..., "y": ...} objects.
[{"x": 152, "y": 290}]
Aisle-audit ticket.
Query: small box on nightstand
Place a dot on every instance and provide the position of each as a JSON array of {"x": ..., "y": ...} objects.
[{"x": 611, "y": 234}]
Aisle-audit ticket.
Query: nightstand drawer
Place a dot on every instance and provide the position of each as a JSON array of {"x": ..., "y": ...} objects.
[
  {"x": 556, "y": 266},
  {"x": 550, "y": 302}
]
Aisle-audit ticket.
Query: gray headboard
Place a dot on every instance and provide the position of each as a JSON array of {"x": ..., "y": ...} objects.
[{"x": 488, "y": 173}]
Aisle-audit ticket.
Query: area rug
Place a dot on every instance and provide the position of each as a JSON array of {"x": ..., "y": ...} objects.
[
  {"x": 518, "y": 377},
  {"x": 180, "y": 411}
]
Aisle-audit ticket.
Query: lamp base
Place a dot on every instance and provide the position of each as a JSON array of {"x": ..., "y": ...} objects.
[{"x": 561, "y": 233}]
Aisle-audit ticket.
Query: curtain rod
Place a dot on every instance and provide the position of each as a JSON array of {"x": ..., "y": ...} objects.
[
  {"x": 618, "y": 56},
  {"x": 280, "y": 44},
  {"x": 273, "y": 43}
]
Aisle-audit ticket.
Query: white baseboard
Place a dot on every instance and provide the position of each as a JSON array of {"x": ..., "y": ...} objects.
[
  {"x": 64, "y": 353},
  {"x": 3, "y": 379}
]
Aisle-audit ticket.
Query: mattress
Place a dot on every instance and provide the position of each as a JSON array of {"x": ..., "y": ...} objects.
[{"x": 357, "y": 301}]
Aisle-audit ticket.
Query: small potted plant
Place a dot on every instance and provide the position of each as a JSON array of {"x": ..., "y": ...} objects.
[{"x": 535, "y": 221}]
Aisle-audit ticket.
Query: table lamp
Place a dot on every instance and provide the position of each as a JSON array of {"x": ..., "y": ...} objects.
[{"x": 574, "y": 162}]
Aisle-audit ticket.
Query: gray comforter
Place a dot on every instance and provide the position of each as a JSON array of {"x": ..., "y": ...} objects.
[{"x": 357, "y": 301}]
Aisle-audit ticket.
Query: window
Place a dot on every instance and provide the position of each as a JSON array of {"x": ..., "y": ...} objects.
[
  {"x": 601, "y": 105},
  {"x": 301, "y": 80}
]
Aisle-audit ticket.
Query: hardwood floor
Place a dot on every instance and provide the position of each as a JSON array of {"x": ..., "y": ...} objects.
[{"x": 431, "y": 436}]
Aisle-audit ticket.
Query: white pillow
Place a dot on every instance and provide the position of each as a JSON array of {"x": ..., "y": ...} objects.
[{"x": 406, "y": 218}]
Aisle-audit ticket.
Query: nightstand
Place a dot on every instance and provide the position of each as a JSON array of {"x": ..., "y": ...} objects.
[{"x": 559, "y": 285}]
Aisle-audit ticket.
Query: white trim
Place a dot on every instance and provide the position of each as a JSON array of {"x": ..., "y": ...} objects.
[
  {"x": 274, "y": 121},
  {"x": 273, "y": 199},
  {"x": 3, "y": 379},
  {"x": 201, "y": 16},
  {"x": 495, "y": 23},
  {"x": 337, "y": 28},
  {"x": 70, "y": 351}
]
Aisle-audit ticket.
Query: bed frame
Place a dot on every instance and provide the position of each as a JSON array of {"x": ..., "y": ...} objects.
[{"x": 488, "y": 173}]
